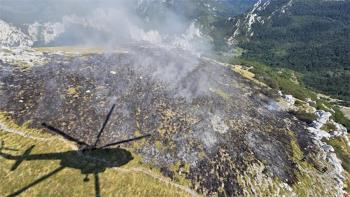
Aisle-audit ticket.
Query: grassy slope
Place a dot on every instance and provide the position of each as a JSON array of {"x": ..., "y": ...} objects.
[{"x": 131, "y": 179}]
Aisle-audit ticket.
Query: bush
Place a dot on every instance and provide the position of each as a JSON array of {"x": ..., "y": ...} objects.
[
  {"x": 329, "y": 127},
  {"x": 298, "y": 103},
  {"x": 340, "y": 118},
  {"x": 304, "y": 116}
]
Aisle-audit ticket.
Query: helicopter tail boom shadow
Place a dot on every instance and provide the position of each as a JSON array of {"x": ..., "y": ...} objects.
[{"x": 97, "y": 185}]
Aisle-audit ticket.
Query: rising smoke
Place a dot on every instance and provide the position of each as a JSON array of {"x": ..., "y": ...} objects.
[
  {"x": 105, "y": 23},
  {"x": 112, "y": 24}
]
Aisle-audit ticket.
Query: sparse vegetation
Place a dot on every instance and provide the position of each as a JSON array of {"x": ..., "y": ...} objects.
[
  {"x": 72, "y": 91},
  {"x": 307, "y": 177},
  {"x": 70, "y": 50},
  {"x": 222, "y": 94},
  {"x": 180, "y": 170},
  {"x": 342, "y": 150},
  {"x": 328, "y": 127}
]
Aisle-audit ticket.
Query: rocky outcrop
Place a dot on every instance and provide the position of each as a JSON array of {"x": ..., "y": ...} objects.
[
  {"x": 327, "y": 151},
  {"x": 11, "y": 36},
  {"x": 15, "y": 47},
  {"x": 289, "y": 99},
  {"x": 23, "y": 57},
  {"x": 260, "y": 14}
]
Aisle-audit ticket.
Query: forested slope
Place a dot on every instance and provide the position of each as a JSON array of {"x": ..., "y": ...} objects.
[{"x": 311, "y": 37}]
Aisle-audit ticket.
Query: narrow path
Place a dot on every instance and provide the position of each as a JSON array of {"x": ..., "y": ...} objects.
[
  {"x": 165, "y": 180},
  {"x": 5, "y": 128},
  {"x": 160, "y": 178}
]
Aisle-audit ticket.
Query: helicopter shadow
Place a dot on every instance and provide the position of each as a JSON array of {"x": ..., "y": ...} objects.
[
  {"x": 89, "y": 162},
  {"x": 90, "y": 159}
]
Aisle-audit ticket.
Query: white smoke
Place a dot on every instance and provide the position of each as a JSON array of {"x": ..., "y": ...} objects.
[
  {"x": 46, "y": 32},
  {"x": 192, "y": 39},
  {"x": 115, "y": 23}
]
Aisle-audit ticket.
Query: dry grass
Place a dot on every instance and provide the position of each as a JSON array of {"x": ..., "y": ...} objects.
[
  {"x": 132, "y": 179},
  {"x": 78, "y": 50},
  {"x": 346, "y": 111},
  {"x": 71, "y": 50},
  {"x": 247, "y": 74}
]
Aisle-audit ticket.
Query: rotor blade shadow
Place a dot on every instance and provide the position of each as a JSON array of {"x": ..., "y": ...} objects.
[
  {"x": 2, "y": 146},
  {"x": 125, "y": 141},
  {"x": 104, "y": 125},
  {"x": 10, "y": 149},
  {"x": 16, "y": 193},
  {"x": 22, "y": 158},
  {"x": 61, "y": 133}
]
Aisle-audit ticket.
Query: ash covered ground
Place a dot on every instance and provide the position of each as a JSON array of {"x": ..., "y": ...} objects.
[{"x": 206, "y": 119}]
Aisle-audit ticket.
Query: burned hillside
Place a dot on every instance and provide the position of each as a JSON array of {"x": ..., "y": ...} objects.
[{"x": 208, "y": 124}]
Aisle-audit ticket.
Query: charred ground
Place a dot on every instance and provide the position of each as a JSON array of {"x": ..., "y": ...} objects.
[{"x": 209, "y": 125}]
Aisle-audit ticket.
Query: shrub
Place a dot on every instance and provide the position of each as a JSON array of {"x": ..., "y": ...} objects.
[
  {"x": 304, "y": 116},
  {"x": 340, "y": 118}
]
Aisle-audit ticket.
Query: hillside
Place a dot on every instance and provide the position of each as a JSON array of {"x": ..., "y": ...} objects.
[
  {"x": 311, "y": 37},
  {"x": 209, "y": 116},
  {"x": 217, "y": 124}
]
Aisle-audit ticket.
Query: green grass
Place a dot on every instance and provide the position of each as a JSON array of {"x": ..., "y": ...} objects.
[
  {"x": 340, "y": 118},
  {"x": 282, "y": 79}
]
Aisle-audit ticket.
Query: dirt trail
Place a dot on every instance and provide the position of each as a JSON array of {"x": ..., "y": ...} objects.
[
  {"x": 165, "y": 180},
  {"x": 160, "y": 178},
  {"x": 5, "y": 128}
]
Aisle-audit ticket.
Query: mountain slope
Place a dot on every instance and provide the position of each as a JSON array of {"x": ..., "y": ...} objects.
[
  {"x": 311, "y": 37},
  {"x": 212, "y": 129},
  {"x": 215, "y": 128}
]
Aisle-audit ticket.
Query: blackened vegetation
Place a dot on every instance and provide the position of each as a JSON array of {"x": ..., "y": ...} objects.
[
  {"x": 272, "y": 151},
  {"x": 220, "y": 173},
  {"x": 199, "y": 113}
]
